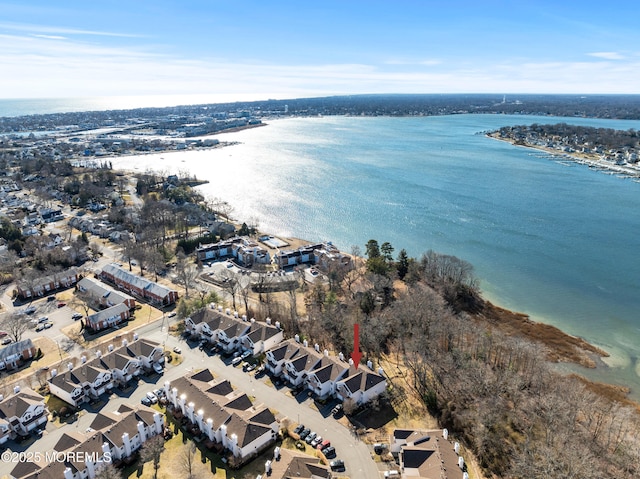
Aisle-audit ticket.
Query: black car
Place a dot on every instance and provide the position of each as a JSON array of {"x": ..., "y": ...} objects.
[
  {"x": 337, "y": 465},
  {"x": 146, "y": 401},
  {"x": 305, "y": 432},
  {"x": 299, "y": 428},
  {"x": 329, "y": 452}
]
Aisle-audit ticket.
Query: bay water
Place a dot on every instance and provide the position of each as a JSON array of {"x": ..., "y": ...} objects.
[
  {"x": 556, "y": 240},
  {"x": 552, "y": 239}
]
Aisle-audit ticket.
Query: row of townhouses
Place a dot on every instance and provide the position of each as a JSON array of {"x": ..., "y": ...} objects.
[
  {"x": 243, "y": 249},
  {"x": 247, "y": 253},
  {"x": 14, "y": 354},
  {"x": 138, "y": 286},
  {"x": 226, "y": 418},
  {"x": 232, "y": 333},
  {"x": 325, "y": 376},
  {"x": 299, "y": 364},
  {"x": 112, "y": 438},
  {"x": 322, "y": 254},
  {"x": 117, "y": 305},
  {"x": 21, "y": 413},
  {"x": 116, "y": 366},
  {"x": 47, "y": 284}
]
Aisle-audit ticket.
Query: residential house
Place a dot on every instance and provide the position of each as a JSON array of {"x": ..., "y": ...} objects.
[
  {"x": 104, "y": 294},
  {"x": 293, "y": 464},
  {"x": 231, "y": 332},
  {"x": 132, "y": 358},
  {"x": 107, "y": 318},
  {"x": 139, "y": 286},
  {"x": 204, "y": 322},
  {"x": 262, "y": 337},
  {"x": 244, "y": 250},
  {"x": 297, "y": 368},
  {"x": 360, "y": 385},
  {"x": 223, "y": 416},
  {"x": 323, "y": 378},
  {"x": 23, "y": 412},
  {"x": 278, "y": 356},
  {"x": 14, "y": 354},
  {"x": 82, "y": 383},
  {"x": 111, "y": 438},
  {"x": 47, "y": 284},
  {"x": 427, "y": 454}
]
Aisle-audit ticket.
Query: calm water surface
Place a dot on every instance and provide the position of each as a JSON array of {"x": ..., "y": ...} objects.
[{"x": 557, "y": 242}]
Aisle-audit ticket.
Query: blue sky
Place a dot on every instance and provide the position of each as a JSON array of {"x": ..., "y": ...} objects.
[{"x": 257, "y": 49}]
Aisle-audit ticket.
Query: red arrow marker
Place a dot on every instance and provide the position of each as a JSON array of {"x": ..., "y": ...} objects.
[{"x": 356, "y": 355}]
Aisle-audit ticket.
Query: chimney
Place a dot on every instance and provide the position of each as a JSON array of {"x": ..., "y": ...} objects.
[{"x": 142, "y": 432}]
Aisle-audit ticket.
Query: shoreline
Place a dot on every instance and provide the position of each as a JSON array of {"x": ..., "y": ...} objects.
[{"x": 585, "y": 159}]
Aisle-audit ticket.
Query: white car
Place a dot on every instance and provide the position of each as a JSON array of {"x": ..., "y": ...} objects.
[
  {"x": 152, "y": 397},
  {"x": 177, "y": 350}
]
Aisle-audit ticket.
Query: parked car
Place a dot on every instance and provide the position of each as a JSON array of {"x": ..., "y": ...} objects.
[
  {"x": 30, "y": 310},
  {"x": 43, "y": 319},
  {"x": 76, "y": 316},
  {"x": 336, "y": 411},
  {"x": 61, "y": 305},
  {"x": 48, "y": 324},
  {"x": 40, "y": 327},
  {"x": 299, "y": 428},
  {"x": 329, "y": 452},
  {"x": 305, "y": 432},
  {"x": 159, "y": 393},
  {"x": 236, "y": 361},
  {"x": 316, "y": 441},
  {"x": 157, "y": 368},
  {"x": 6, "y": 341},
  {"x": 324, "y": 444},
  {"x": 337, "y": 465},
  {"x": 152, "y": 397},
  {"x": 146, "y": 401},
  {"x": 245, "y": 355},
  {"x": 51, "y": 298},
  {"x": 172, "y": 314},
  {"x": 392, "y": 473},
  {"x": 177, "y": 350},
  {"x": 3, "y": 334},
  {"x": 310, "y": 437}
]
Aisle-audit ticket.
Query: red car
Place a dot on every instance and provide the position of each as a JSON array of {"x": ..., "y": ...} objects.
[{"x": 61, "y": 305}]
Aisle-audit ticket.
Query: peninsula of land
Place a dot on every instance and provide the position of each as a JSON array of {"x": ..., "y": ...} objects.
[{"x": 612, "y": 151}]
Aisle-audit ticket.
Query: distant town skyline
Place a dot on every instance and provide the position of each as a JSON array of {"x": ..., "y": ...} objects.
[{"x": 254, "y": 49}]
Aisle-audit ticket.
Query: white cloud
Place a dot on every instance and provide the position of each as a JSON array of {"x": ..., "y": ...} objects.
[
  {"x": 45, "y": 67},
  {"x": 607, "y": 55},
  {"x": 29, "y": 28}
]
